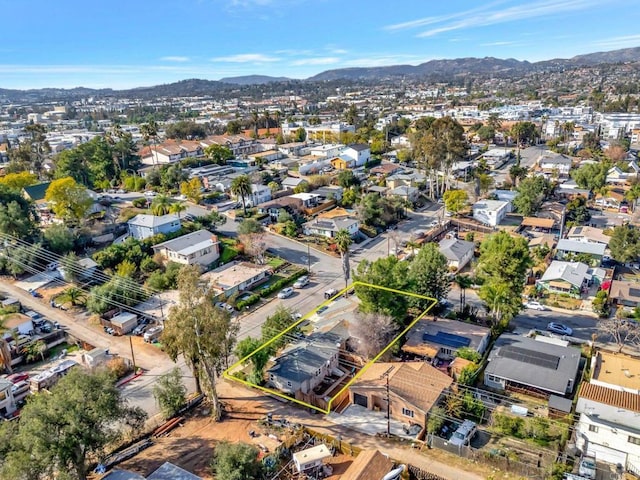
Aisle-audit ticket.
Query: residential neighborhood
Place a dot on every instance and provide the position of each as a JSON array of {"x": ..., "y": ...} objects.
[{"x": 421, "y": 281}]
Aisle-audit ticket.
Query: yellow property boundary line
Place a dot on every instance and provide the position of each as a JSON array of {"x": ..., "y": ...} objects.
[{"x": 227, "y": 373}]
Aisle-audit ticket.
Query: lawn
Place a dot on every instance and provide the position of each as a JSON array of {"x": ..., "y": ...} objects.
[
  {"x": 561, "y": 301},
  {"x": 229, "y": 250},
  {"x": 275, "y": 262}
]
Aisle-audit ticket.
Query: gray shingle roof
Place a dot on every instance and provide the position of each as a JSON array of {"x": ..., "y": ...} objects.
[
  {"x": 197, "y": 239},
  {"x": 591, "y": 248},
  {"x": 306, "y": 357},
  {"x": 572, "y": 272},
  {"x": 455, "y": 249},
  {"x": 537, "y": 364}
]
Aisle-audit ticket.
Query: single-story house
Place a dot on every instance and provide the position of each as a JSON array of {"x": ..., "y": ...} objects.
[
  {"x": 369, "y": 464},
  {"x": 387, "y": 169},
  {"x": 588, "y": 234},
  {"x": 166, "y": 471},
  {"x": 458, "y": 252},
  {"x": 329, "y": 192},
  {"x": 200, "y": 247},
  {"x": 414, "y": 388},
  {"x": 303, "y": 366},
  {"x": 144, "y": 226},
  {"x": 565, "y": 277},
  {"x": 624, "y": 293},
  {"x": 543, "y": 239},
  {"x": 568, "y": 248},
  {"x": 290, "y": 183},
  {"x": 405, "y": 192},
  {"x": 236, "y": 277},
  {"x": 16, "y": 323},
  {"x": 526, "y": 363},
  {"x": 491, "y": 212},
  {"x": 36, "y": 193},
  {"x": 496, "y": 157},
  {"x": 86, "y": 269},
  {"x": 442, "y": 338},
  {"x": 342, "y": 163},
  {"x": 405, "y": 179},
  {"x": 328, "y": 225}
]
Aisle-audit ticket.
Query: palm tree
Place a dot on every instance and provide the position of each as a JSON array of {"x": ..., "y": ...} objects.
[
  {"x": 73, "y": 295},
  {"x": 343, "y": 242},
  {"x": 242, "y": 186},
  {"x": 177, "y": 207},
  {"x": 149, "y": 133},
  {"x": 5, "y": 352},
  {"x": 254, "y": 119},
  {"x": 160, "y": 205},
  {"x": 463, "y": 282},
  {"x": 496, "y": 297},
  {"x": 278, "y": 117},
  {"x": 267, "y": 120}
]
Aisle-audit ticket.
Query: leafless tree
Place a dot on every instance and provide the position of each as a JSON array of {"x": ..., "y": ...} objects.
[
  {"x": 255, "y": 244},
  {"x": 371, "y": 332},
  {"x": 622, "y": 331}
]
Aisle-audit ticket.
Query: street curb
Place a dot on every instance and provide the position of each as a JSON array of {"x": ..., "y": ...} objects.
[{"x": 131, "y": 378}]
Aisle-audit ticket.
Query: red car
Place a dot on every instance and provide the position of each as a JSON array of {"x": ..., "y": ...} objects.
[{"x": 18, "y": 377}]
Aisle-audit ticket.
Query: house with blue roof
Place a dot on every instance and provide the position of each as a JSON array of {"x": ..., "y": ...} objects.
[{"x": 442, "y": 338}]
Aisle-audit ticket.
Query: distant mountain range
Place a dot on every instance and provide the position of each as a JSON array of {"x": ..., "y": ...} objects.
[
  {"x": 441, "y": 69},
  {"x": 253, "y": 80}
]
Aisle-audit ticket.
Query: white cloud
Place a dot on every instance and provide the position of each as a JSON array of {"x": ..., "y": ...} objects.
[
  {"x": 493, "y": 13},
  {"x": 499, "y": 44},
  {"x": 338, "y": 51},
  {"x": 618, "y": 42},
  {"x": 172, "y": 58},
  {"x": 316, "y": 61},
  {"x": 246, "y": 58}
]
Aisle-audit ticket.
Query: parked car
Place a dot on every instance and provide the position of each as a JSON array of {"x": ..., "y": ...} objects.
[
  {"x": 587, "y": 468},
  {"x": 139, "y": 330},
  {"x": 152, "y": 334},
  {"x": 559, "y": 328},
  {"x": 20, "y": 388},
  {"x": 535, "y": 305},
  {"x": 285, "y": 292},
  {"x": 150, "y": 193},
  {"x": 332, "y": 292},
  {"x": 464, "y": 433},
  {"x": 53, "y": 265},
  {"x": 301, "y": 282},
  {"x": 18, "y": 377}
]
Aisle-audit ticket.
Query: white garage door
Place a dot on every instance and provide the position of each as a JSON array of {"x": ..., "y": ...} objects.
[{"x": 606, "y": 454}]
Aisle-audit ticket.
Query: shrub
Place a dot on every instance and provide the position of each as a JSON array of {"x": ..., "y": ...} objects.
[
  {"x": 283, "y": 282},
  {"x": 118, "y": 367},
  {"x": 253, "y": 299},
  {"x": 139, "y": 202}
]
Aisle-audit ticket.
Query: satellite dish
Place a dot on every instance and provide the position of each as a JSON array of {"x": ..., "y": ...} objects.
[{"x": 394, "y": 474}]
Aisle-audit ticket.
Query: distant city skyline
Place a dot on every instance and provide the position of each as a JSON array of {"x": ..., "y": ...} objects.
[{"x": 121, "y": 44}]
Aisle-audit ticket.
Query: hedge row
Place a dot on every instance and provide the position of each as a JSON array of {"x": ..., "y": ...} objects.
[{"x": 275, "y": 286}]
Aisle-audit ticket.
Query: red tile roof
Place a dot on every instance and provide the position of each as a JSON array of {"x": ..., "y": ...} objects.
[{"x": 609, "y": 396}]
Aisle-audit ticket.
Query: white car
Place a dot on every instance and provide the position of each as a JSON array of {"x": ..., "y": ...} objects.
[
  {"x": 559, "y": 328},
  {"x": 150, "y": 193},
  {"x": 587, "y": 468},
  {"x": 301, "y": 282},
  {"x": 535, "y": 306},
  {"x": 285, "y": 293}
]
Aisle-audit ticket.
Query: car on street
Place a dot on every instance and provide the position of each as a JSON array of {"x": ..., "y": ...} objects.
[
  {"x": 296, "y": 315},
  {"x": 535, "y": 305},
  {"x": 150, "y": 193},
  {"x": 120, "y": 191},
  {"x": 301, "y": 282},
  {"x": 285, "y": 292},
  {"x": 559, "y": 328},
  {"x": 332, "y": 292},
  {"x": 321, "y": 310}
]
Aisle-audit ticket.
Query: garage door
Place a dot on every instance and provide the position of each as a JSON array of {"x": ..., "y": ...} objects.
[
  {"x": 606, "y": 454},
  {"x": 360, "y": 400}
]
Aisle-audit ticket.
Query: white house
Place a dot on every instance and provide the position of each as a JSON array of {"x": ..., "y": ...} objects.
[
  {"x": 236, "y": 277},
  {"x": 360, "y": 153},
  {"x": 328, "y": 227},
  {"x": 311, "y": 457},
  {"x": 458, "y": 252},
  {"x": 609, "y": 425},
  {"x": 144, "y": 226},
  {"x": 259, "y": 194},
  {"x": 327, "y": 151},
  {"x": 491, "y": 212},
  {"x": 496, "y": 157},
  {"x": 550, "y": 164},
  {"x": 200, "y": 247}
]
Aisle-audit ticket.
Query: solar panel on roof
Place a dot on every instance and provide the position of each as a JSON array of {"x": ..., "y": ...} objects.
[
  {"x": 448, "y": 339},
  {"x": 578, "y": 230},
  {"x": 532, "y": 357}
]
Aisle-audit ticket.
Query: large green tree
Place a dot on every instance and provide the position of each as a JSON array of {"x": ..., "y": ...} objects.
[
  {"x": 68, "y": 199},
  {"x": 625, "y": 244},
  {"x": 386, "y": 272},
  {"x": 218, "y": 153},
  {"x": 532, "y": 192},
  {"x": 202, "y": 333},
  {"x": 17, "y": 215},
  {"x": 503, "y": 265},
  {"x": 236, "y": 461},
  {"x": 455, "y": 200},
  {"x": 429, "y": 273},
  {"x": 64, "y": 432},
  {"x": 592, "y": 176},
  {"x": 170, "y": 392}
]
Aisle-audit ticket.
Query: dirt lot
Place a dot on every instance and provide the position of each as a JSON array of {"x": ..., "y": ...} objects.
[{"x": 191, "y": 445}]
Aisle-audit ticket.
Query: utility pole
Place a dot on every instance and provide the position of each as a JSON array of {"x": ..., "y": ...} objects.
[
  {"x": 388, "y": 407},
  {"x": 133, "y": 358},
  {"x": 308, "y": 259}
]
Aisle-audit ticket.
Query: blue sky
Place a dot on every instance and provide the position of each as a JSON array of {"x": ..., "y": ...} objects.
[{"x": 122, "y": 44}]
